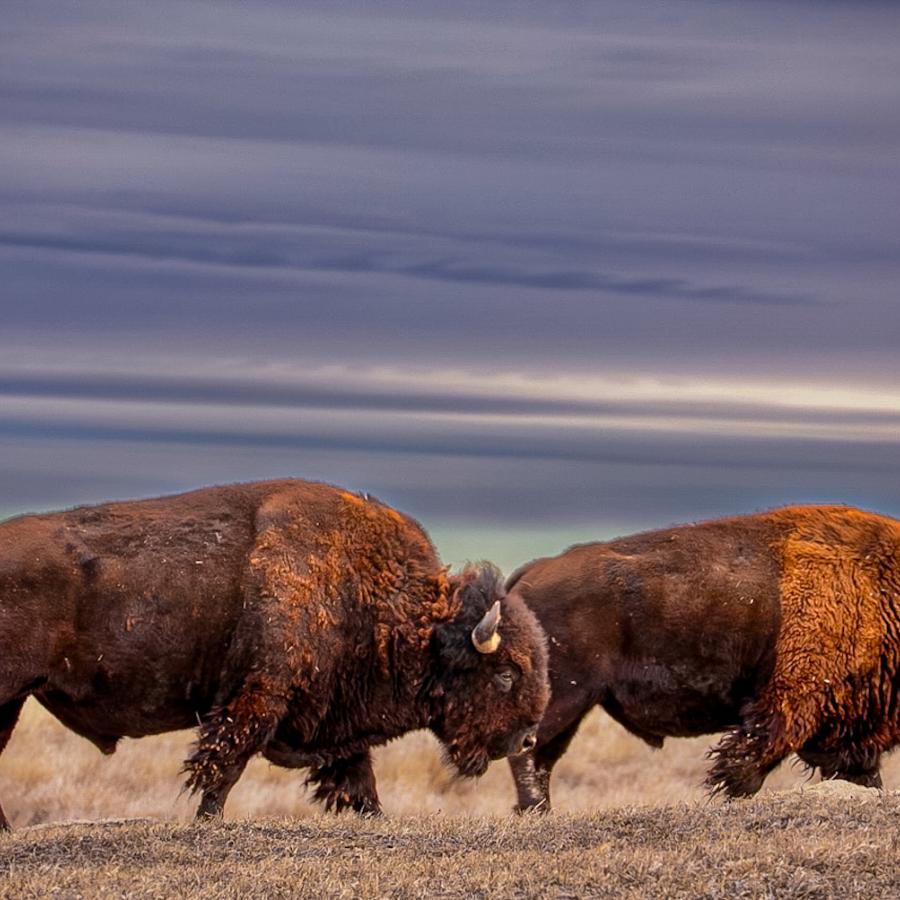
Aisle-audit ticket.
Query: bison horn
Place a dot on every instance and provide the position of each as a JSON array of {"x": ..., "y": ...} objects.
[{"x": 484, "y": 634}]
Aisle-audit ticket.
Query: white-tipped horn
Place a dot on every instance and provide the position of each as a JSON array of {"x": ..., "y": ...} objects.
[{"x": 484, "y": 635}]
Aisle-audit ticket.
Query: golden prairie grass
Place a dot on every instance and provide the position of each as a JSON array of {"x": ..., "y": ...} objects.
[
  {"x": 629, "y": 822},
  {"x": 48, "y": 774}
]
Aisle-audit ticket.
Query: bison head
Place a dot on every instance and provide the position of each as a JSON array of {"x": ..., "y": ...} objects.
[{"x": 490, "y": 684}]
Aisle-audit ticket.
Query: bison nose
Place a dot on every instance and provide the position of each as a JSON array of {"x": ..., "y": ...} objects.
[{"x": 529, "y": 742}]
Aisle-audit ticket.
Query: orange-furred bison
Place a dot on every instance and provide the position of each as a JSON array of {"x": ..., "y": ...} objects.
[
  {"x": 782, "y": 629},
  {"x": 286, "y": 618}
]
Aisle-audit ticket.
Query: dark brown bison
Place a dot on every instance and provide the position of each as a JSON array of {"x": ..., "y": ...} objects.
[
  {"x": 782, "y": 629},
  {"x": 287, "y": 618}
]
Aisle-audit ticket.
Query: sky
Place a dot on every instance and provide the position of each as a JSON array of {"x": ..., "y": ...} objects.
[{"x": 532, "y": 272}]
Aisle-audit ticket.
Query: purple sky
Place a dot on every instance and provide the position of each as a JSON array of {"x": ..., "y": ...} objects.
[{"x": 530, "y": 271}]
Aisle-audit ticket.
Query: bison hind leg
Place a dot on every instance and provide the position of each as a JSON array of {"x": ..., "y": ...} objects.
[{"x": 347, "y": 784}]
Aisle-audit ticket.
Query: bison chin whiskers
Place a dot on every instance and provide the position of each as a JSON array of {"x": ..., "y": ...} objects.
[{"x": 469, "y": 764}]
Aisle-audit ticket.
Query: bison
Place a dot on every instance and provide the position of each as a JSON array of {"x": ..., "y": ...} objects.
[
  {"x": 287, "y": 618},
  {"x": 782, "y": 629}
]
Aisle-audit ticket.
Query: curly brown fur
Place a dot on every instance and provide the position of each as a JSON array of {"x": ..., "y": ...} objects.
[
  {"x": 289, "y": 618},
  {"x": 746, "y": 754},
  {"x": 346, "y": 784},
  {"x": 781, "y": 629}
]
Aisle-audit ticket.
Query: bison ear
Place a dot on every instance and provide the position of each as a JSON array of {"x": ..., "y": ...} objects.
[{"x": 485, "y": 636}]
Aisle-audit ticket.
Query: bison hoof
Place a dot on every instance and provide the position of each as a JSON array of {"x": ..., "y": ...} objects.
[
  {"x": 369, "y": 812},
  {"x": 540, "y": 808},
  {"x": 210, "y": 810},
  {"x": 736, "y": 783}
]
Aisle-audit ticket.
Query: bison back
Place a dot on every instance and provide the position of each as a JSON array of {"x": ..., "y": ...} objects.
[{"x": 670, "y": 631}]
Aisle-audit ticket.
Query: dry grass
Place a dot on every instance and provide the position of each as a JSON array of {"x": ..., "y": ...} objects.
[
  {"x": 789, "y": 845},
  {"x": 47, "y": 774},
  {"x": 630, "y": 822}
]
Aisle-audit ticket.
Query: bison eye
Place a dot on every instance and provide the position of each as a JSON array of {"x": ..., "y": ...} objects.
[{"x": 504, "y": 679}]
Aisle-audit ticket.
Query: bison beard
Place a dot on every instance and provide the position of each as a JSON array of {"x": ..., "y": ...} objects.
[
  {"x": 289, "y": 618},
  {"x": 782, "y": 629}
]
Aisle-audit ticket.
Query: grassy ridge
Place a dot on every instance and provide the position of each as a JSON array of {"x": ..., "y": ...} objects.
[{"x": 810, "y": 843}]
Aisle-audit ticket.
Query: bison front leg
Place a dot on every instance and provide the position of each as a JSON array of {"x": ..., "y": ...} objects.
[
  {"x": 771, "y": 729},
  {"x": 742, "y": 760},
  {"x": 531, "y": 771},
  {"x": 227, "y": 740},
  {"x": 347, "y": 784},
  {"x": 781, "y": 720},
  {"x": 532, "y": 783},
  {"x": 856, "y": 766}
]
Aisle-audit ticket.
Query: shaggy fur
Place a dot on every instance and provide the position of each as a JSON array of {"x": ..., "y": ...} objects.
[
  {"x": 782, "y": 628},
  {"x": 288, "y": 618}
]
